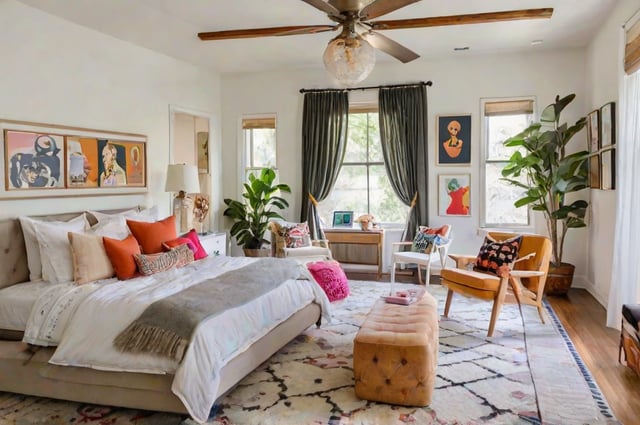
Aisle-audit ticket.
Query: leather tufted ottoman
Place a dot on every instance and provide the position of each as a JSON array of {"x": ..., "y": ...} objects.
[{"x": 395, "y": 353}]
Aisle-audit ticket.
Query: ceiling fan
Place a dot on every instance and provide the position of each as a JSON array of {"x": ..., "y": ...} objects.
[{"x": 355, "y": 18}]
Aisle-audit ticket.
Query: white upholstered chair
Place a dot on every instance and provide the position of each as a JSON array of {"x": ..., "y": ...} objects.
[
  {"x": 422, "y": 259},
  {"x": 281, "y": 231}
]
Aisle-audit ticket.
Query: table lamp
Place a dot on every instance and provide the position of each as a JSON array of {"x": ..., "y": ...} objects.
[{"x": 182, "y": 179}]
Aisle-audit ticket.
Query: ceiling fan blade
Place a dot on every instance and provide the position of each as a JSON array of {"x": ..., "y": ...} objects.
[
  {"x": 474, "y": 18},
  {"x": 323, "y": 6},
  {"x": 264, "y": 32},
  {"x": 382, "y": 7},
  {"x": 390, "y": 47}
]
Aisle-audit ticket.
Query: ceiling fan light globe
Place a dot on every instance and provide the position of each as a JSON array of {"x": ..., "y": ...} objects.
[{"x": 349, "y": 60}]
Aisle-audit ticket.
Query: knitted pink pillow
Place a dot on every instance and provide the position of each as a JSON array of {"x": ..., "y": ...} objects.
[{"x": 331, "y": 278}]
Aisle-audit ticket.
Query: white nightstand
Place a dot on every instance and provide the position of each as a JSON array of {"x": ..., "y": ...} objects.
[{"x": 214, "y": 243}]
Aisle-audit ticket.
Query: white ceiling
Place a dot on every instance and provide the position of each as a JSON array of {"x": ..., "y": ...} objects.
[{"x": 171, "y": 27}]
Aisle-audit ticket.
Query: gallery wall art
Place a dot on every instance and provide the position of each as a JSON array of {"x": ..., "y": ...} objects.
[{"x": 44, "y": 160}]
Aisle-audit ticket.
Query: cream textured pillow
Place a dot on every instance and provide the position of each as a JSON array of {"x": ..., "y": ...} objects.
[
  {"x": 32, "y": 246},
  {"x": 55, "y": 251},
  {"x": 90, "y": 260}
]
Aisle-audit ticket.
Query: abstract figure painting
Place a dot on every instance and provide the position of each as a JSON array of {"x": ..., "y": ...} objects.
[
  {"x": 608, "y": 124},
  {"x": 593, "y": 130},
  {"x": 33, "y": 160},
  {"x": 454, "y": 197},
  {"x": 454, "y": 140},
  {"x": 40, "y": 157}
]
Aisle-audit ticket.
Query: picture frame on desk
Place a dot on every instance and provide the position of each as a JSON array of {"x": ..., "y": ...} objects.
[{"x": 342, "y": 219}]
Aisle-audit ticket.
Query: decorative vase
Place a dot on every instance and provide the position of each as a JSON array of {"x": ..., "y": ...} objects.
[
  {"x": 559, "y": 279},
  {"x": 365, "y": 225}
]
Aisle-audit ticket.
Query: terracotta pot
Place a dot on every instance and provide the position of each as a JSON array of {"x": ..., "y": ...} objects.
[
  {"x": 261, "y": 252},
  {"x": 559, "y": 279},
  {"x": 365, "y": 225}
]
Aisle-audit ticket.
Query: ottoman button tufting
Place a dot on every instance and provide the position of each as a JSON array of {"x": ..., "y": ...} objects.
[{"x": 393, "y": 336}]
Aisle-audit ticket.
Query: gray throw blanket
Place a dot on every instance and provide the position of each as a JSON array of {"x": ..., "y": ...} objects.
[{"x": 166, "y": 326}]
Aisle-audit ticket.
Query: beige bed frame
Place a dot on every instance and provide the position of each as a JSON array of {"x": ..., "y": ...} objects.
[{"x": 25, "y": 372}]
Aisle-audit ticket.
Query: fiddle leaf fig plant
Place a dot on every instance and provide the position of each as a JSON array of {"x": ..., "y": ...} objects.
[
  {"x": 550, "y": 173},
  {"x": 252, "y": 215}
]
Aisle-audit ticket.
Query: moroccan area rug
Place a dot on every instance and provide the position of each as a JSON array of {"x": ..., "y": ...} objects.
[{"x": 527, "y": 373}]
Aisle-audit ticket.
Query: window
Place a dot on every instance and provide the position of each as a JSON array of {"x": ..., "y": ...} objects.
[
  {"x": 501, "y": 120},
  {"x": 259, "y": 143},
  {"x": 362, "y": 185}
]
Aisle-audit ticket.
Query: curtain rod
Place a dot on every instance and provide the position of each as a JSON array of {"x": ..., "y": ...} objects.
[{"x": 421, "y": 83}]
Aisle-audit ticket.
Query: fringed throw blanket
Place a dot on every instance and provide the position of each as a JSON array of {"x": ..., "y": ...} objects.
[{"x": 166, "y": 326}]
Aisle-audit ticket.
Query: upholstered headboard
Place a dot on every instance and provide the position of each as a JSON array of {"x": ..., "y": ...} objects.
[{"x": 13, "y": 255}]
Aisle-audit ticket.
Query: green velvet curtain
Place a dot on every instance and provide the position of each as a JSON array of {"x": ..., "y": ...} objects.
[
  {"x": 324, "y": 139},
  {"x": 403, "y": 133}
]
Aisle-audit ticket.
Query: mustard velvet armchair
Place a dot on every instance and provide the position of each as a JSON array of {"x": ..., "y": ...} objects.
[{"x": 523, "y": 284}]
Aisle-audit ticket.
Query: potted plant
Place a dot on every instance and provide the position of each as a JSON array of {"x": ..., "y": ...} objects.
[
  {"x": 550, "y": 174},
  {"x": 252, "y": 215}
]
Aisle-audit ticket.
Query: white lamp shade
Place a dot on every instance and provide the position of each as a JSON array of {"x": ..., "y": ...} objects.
[
  {"x": 349, "y": 59},
  {"x": 182, "y": 177}
]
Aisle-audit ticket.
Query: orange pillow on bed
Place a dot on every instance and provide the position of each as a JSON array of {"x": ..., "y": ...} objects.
[
  {"x": 150, "y": 236},
  {"x": 121, "y": 254}
]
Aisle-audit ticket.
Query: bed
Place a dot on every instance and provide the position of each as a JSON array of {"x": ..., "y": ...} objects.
[{"x": 138, "y": 381}]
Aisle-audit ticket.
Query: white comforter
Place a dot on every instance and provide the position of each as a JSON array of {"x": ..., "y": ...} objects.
[{"x": 87, "y": 318}]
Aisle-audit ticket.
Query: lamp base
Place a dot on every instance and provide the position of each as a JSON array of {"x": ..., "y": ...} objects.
[{"x": 183, "y": 212}]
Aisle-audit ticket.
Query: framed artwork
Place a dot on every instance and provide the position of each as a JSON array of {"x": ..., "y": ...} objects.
[
  {"x": 33, "y": 160},
  {"x": 453, "y": 139},
  {"x": 608, "y": 125},
  {"x": 122, "y": 163},
  {"x": 342, "y": 218},
  {"x": 37, "y": 158},
  {"x": 593, "y": 130},
  {"x": 594, "y": 171},
  {"x": 454, "y": 194},
  {"x": 202, "y": 140},
  {"x": 608, "y": 169}
]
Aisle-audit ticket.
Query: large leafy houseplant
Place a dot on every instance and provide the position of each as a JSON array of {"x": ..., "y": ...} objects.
[
  {"x": 550, "y": 173},
  {"x": 251, "y": 216}
]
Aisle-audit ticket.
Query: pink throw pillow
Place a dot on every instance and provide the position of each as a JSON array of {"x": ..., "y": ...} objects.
[
  {"x": 331, "y": 278},
  {"x": 199, "y": 252}
]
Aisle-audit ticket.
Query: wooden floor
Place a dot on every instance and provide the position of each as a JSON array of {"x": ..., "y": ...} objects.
[{"x": 584, "y": 319}]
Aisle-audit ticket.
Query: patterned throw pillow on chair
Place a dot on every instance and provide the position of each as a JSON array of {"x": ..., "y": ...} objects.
[
  {"x": 423, "y": 242},
  {"x": 295, "y": 236},
  {"x": 495, "y": 255}
]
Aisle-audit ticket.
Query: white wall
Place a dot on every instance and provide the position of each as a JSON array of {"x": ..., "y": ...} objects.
[
  {"x": 458, "y": 86},
  {"x": 604, "y": 70},
  {"x": 53, "y": 71}
]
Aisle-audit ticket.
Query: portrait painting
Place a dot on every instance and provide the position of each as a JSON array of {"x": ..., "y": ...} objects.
[
  {"x": 122, "y": 163},
  {"x": 454, "y": 195},
  {"x": 454, "y": 139},
  {"x": 82, "y": 161},
  {"x": 33, "y": 160}
]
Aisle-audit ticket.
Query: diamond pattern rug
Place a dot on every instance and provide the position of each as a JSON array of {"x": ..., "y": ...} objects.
[{"x": 528, "y": 373}]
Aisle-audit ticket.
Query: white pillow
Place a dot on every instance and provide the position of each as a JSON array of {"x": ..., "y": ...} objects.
[
  {"x": 113, "y": 227},
  {"x": 32, "y": 246},
  {"x": 147, "y": 215},
  {"x": 55, "y": 251}
]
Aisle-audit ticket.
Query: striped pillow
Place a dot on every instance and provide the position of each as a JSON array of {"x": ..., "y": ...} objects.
[{"x": 149, "y": 264}]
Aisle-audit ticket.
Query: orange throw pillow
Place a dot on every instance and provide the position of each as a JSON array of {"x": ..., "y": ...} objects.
[
  {"x": 150, "y": 236},
  {"x": 121, "y": 254}
]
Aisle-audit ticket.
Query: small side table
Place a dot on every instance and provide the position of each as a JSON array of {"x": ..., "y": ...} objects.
[{"x": 214, "y": 243}]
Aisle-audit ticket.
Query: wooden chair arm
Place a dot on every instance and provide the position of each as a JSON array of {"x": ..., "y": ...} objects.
[
  {"x": 462, "y": 260},
  {"x": 324, "y": 243},
  {"x": 526, "y": 273}
]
